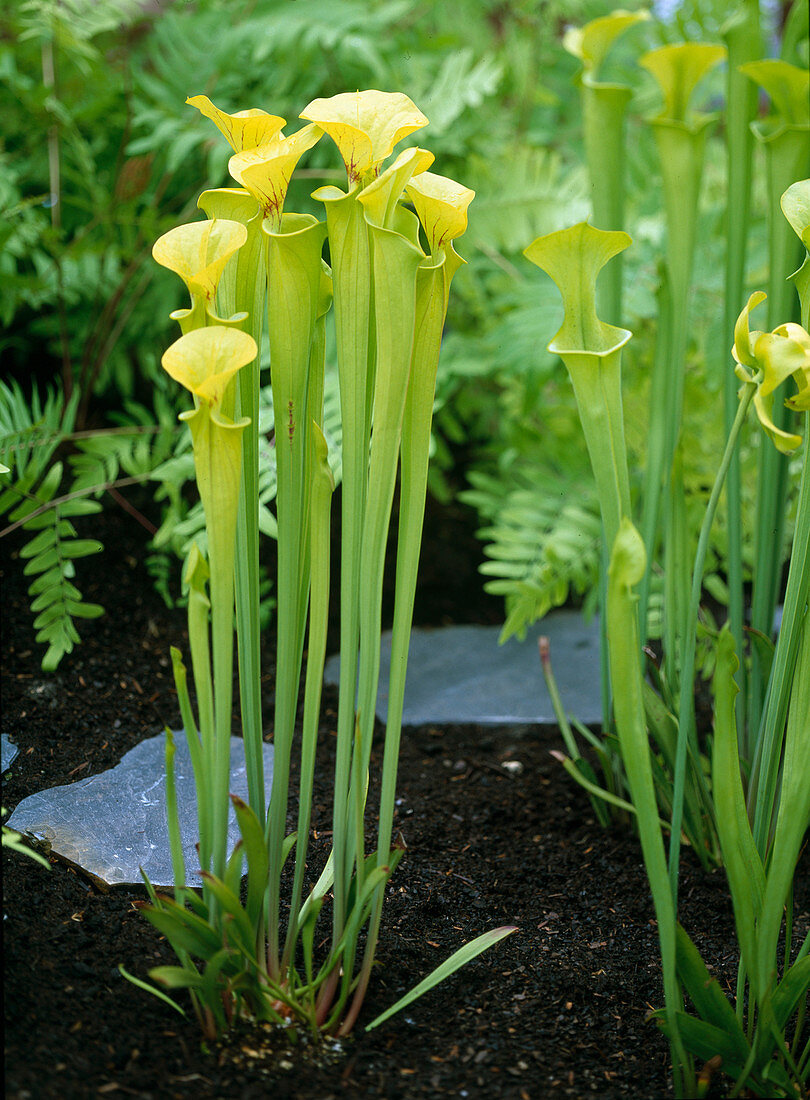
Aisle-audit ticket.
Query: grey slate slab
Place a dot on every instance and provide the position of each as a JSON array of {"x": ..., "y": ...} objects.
[
  {"x": 9, "y": 752},
  {"x": 112, "y": 823},
  {"x": 459, "y": 674}
]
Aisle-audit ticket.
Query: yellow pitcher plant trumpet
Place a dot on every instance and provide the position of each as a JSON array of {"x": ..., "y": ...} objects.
[
  {"x": 365, "y": 126},
  {"x": 266, "y": 170},
  {"x": 242, "y": 130},
  {"x": 199, "y": 252}
]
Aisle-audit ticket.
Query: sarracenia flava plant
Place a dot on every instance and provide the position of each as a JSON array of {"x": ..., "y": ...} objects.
[
  {"x": 761, "y": 1039},
  {"x": 390, "y": 297}
]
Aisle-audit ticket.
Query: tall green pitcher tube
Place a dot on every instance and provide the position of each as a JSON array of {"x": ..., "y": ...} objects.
[
  {"x": 604, "y": 109},
  {"x": 744, "y": 43},
  {"x": 205, "y": 361},
  {"x": 294, "y": 271},
  {"x": 680, "y": 135},
  {"x": 243, "y": 288}
]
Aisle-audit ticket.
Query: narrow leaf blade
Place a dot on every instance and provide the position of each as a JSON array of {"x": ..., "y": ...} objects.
[{"x": 460, "y": 958}]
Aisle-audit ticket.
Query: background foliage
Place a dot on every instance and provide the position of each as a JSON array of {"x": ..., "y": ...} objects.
[{"x": 99, "y": 156}]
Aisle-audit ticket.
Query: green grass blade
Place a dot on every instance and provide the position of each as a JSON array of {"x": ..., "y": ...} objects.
[
  {"x": 151, "y": 989},
  {"x": 258, "y": 862},
  {"x": 706, "y": 995},
  {"x": 744, "y": 868},
  {"x": 458, "y": 959}
]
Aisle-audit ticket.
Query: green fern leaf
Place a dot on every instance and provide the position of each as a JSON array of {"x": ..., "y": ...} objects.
[
  {"x": 47, "y": 538},
  {"x": 49, "y": 558},
  {"x": 67, "y": 508},
  {"x": 47, "y": 580},
  {"x": 81, "y": 548},
  {"x": 64, "y": 590},
  {"x": 43, "y": 495},
  {"x": 461, "y": 83},
  {"x": 542, "y": 545},
  {"x": 83, "y": 610},
  {"x": 537, "y": 195}
]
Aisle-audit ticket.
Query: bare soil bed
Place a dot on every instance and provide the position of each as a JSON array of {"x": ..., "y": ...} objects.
[{"x": 557, "y": 1010}]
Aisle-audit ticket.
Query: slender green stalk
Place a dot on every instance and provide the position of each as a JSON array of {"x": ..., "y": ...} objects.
[
  {"x": 656, "y": 446},
  {"x": 173, "y": 822},
  {"x": 319, "y": 537},
  {"x": 432, "y": 290},
  {"x": 218, "y": 459},
  {"x": 792, "y": 814},
  {"x": 205, "y": 360},
  {"x": 686, "y": 709},
  {"x": 680, "y": 135},
  {"x": 351, "y": 275},
  {"x": 676, "y": 573},
  {"x": 764, "y": 779},
  {"x": 395, "y": 262},
  {"x": 744, "y": 44},
  {"x": 189, "y": 724},
  {"x": 576, "y": 767},
  {"x": 627, "y": 566},
  {"x": 199, "y": 608}
]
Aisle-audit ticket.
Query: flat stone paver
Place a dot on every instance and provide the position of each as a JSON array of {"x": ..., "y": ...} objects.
[
  {"x": 9, "y": 752},
  {"x": 459, "y": 674},
  {"x": 112, "y": 823}
]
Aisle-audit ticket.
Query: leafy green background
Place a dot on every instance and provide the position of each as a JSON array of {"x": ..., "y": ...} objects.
[{"x": 98, "y": 87}]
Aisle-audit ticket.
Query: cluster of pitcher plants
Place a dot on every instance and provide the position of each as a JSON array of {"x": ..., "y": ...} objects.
[
  {"x": 238, "y": 959},
  {"x": 741, "y": 797}
]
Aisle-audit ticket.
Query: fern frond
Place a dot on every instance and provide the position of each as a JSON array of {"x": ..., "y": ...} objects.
[
  {"x": 134, "y": 449},
  {"x": 542, "y": 546},
  {"x": 461, "y": 82},
  {"x": 537, "y": 195},
  {"x": 49, "y": 558},
  {"x": 159, "y": 565},
  {"x": 31, "y": 430}
]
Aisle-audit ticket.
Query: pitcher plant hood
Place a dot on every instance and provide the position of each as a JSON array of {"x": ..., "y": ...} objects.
[
  {"x": 379, "y": 199},
  {"x": 365, "y": 126},
  {"x": 198, "y": 253},
  {"x": 266, "y": 171},
  {"x": 592, "y": 42},
  {"x": 242, "y": 130},
  {"x": 441, "y": 205},
  {"x": 787, "y": 86},
  {"x": 573, "y": 258},
  {"x": 678, "y": 70},
  {"x": 206, "y": 359}
]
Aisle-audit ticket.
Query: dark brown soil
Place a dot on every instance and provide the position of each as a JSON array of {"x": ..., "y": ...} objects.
[{"x": 559, "y": 1009}]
